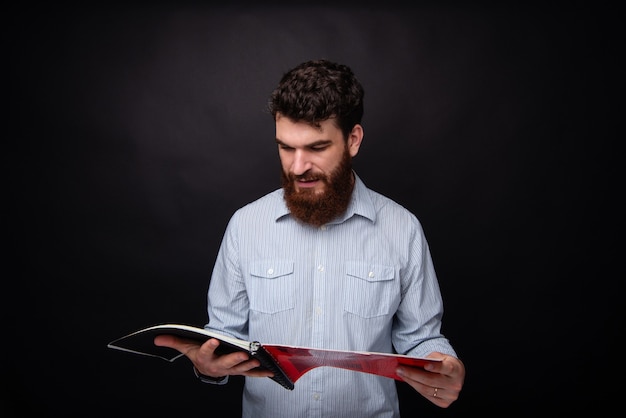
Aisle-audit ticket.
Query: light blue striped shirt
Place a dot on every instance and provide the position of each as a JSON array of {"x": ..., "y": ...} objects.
[{"x": 363, "y": 282}]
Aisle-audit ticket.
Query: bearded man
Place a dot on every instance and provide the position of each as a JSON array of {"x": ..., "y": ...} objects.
[{"x": 325, "y": 262}]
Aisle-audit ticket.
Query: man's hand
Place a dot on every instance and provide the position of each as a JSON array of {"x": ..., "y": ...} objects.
[
  {"x": 440, "y": 383},
  {"x": 208, "y": 363}
]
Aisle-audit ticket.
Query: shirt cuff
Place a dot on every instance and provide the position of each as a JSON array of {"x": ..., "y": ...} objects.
[{"x": 208, "y": 379}]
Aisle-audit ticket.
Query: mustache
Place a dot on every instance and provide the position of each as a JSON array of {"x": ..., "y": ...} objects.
[{"x": 306, "y": 176}]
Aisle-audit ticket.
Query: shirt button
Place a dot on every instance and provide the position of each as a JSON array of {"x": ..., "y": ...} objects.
[
  {"x": 320, "y": 268},
  {"x": 270, "y": 271},
  {"x": 316, "y": 396},
  {"x": 371, "y": 274}
]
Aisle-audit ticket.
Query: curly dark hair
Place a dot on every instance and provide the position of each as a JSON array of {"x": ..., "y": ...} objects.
[{"x": 318, "y": 90}]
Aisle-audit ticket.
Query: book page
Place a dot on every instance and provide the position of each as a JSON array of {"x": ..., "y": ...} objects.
[{"x": 142, "y": 341}]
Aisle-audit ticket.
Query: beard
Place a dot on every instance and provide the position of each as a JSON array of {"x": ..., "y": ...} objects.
[{"x": 319, "y": 208}]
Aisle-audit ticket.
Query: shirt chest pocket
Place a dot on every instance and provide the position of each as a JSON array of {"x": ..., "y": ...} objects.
[
  {"x": 270, "y": 286},
  {"x": 370, "y": 290}
]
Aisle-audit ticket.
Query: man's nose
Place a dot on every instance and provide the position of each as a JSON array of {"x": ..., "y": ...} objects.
[{"x": 301, "y": 163}]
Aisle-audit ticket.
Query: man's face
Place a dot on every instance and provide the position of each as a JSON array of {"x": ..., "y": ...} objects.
[{"x": 316, "y": 168}]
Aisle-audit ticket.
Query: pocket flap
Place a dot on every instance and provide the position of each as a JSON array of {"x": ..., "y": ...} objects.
[
  {"x": 370, "y": 272},
  {"x": 270, "y": 269}
]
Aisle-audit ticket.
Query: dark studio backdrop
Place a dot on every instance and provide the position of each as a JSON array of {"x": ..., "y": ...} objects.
[{"x": 134, "y": 132}]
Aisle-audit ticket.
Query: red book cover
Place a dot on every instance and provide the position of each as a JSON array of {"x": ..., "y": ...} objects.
[{"x": 296, "y": 361}]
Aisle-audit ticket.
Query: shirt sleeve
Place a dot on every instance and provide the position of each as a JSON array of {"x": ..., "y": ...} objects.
[
  {"x": 417, "y": 326},
  {"x": 227, "y": 302}
]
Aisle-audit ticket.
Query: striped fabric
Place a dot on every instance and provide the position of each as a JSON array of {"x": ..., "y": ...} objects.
[{"x": 362, "y": 282}]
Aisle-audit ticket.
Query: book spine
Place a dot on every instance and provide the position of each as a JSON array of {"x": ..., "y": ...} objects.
[{"x": 269, "y": 362}]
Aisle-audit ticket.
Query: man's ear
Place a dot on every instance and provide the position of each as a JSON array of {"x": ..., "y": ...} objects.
[{"x": 354, "y": 139}]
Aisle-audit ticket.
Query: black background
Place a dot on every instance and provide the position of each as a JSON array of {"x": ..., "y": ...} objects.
[{"x": 133, "y": 133}]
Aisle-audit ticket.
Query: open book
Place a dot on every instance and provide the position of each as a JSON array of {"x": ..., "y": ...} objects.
[{"x": 288, "y": 363}]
